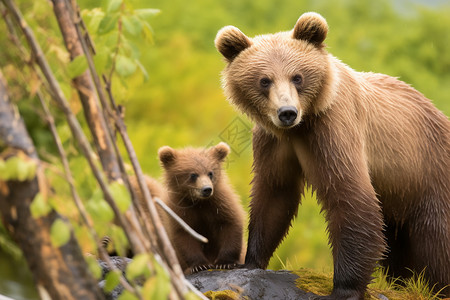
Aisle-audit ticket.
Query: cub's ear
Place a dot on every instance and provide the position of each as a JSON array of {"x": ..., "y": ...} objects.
[
  {"x": 220, "y": 151},
  {"x": 311, "y": 27},
  {"x": 230, "y": 41},
  {"x": 166, "y": 155}
]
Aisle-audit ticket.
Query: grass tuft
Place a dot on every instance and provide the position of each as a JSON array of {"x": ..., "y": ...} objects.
[{"x": 414, "y": 288}]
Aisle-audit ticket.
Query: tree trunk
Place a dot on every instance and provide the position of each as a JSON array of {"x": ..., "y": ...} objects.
[{"x": 59, "y": 272}]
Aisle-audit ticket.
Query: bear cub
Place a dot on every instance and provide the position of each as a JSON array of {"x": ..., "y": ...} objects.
[{"x": 198, "y": 191}]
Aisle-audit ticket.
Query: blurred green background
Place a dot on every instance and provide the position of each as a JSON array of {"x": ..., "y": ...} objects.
[{"x": 181, "y": 103}]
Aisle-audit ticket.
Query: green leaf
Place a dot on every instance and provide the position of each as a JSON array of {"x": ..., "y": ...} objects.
[
  {"x": 121, "y": 195},
  {"x": 2, "y": 168},
  {"x": 17, "y": 168},
  {"x": 108, "y": 23},
  {"x": 146, "y": 13},
  {"x": 93, "y": 18},
  {"x": 59, "y": 233},
  {"x": 143, "y": 70},
  {"x": 100, "y": 210},
  {"x": 119, "y": 239},
  {"x": 64, "y": 132},
  {"x": 132, "y": 24},
  {"x": 66, "y": 88},
  {"x": 112, "y": 280},
  {"x": 39, "y": 206},
  {"x": 131, "y": 49},
  {"x": 126, "y": 295},
  {"x": 156, "y": 287},
  {"x": 125, "y": 66},
  {"x": 102, "y": 58},
  {"x": 138, "y": 266},
  {"x": 148, "y": 32},
  {"x": 94, "y": 267},
  {"x": 113, "y": 5},
  {"x": 6, "y": 170},
  {"x": 77, "y": 66},
  {"x": 32, "y": 167}
]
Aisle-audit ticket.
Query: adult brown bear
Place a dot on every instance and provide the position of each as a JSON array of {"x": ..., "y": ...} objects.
[{"x": 375, "y": 149}]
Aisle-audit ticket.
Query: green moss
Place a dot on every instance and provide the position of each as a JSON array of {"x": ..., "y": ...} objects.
[
  {"x": 225, "y": 295},
  {"x": 314, "y": 282},
  {"x": 321, "y": 283}
]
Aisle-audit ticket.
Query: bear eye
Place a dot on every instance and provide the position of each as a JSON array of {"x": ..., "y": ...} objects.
[
  {"x": 297, "y": 79},
  {"x": 193, "y": 176},
  {"x": 210, "y": 175},
  {"x": 265, "y": 82}
]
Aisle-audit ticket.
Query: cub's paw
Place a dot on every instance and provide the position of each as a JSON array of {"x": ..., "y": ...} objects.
[
  {"x": 200, "y": 268},
  {"x": 227, "y": 266}
]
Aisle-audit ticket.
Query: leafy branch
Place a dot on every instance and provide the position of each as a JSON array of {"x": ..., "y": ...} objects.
[{"x": 144, "y": 236}]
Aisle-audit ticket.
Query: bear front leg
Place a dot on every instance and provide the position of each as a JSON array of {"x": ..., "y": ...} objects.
[
  {"x": 355, "y": 227},
  {"x": 189, "y": 252},
  {"x": 271, "y": 214},
  {"x": 354, "y": 219},
  {"x": 230, "y": 245},
  {"x": 276, "y": 189}
]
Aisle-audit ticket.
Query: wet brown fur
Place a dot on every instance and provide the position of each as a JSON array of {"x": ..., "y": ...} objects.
[
  {"x": 375, "y": 149},
  {"x": 218, "y": 217},
  {"x": 156, "y": 189}
]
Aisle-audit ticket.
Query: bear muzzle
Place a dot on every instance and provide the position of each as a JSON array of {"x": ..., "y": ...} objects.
[
  {"x": 206, "y": 191},
  {"x": 287, "y": 115}
]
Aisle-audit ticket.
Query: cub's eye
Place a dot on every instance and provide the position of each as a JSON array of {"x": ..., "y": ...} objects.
[
  {"x": 193, "y": 176},
  {"x": 297, "y": 79},
  {"x": 210, "y": 175},
  {"x": 265, "y": 82}
]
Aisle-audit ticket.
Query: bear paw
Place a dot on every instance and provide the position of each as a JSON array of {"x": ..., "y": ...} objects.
[{"x": 200, "y": 268}]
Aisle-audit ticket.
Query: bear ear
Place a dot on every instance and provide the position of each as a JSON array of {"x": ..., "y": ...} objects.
[
  {"x": 166, "y": 155},
  {"x": 220, "y": 151},
  {"x": 230, "y": 41},
  {"x": 311, "y": 27}
]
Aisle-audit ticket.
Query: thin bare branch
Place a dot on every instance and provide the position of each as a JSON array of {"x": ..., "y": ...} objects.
[
  {"x": 77, "y": 21},
  {"x": 180, "y": 221},
  {"x": 79, "y": 204},
  {"x": 87, "y": 92},
  {"x": 167, "y": 250}
]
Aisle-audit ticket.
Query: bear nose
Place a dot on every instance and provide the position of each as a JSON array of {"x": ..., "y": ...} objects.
[
  {"x": 206, "y": 191},
  {"x": 287, "y": 115}
]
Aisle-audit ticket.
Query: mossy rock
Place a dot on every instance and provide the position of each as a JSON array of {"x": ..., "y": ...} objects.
[{"x": 248, "y": 284}]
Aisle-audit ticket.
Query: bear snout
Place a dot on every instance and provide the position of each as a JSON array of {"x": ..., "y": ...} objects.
[
  {"x": 287, "y": 115},
  {"x": 206, "y": 191}
]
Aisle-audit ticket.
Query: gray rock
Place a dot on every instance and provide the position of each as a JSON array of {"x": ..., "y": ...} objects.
[
  {"x": 255, "y": 284},
  {"x": 121, "y": 264},
  {"x": 118, "y": 261}
]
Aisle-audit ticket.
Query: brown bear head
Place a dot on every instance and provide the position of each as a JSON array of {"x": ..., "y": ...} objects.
[
  {"x": 277, "y": 79},
  {"x": 192, "y": 174}
]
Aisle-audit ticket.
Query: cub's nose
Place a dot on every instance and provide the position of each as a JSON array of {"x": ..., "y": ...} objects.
[
  {"x": 287, "y": 115},
  {"x": 206, "y": 191}
]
